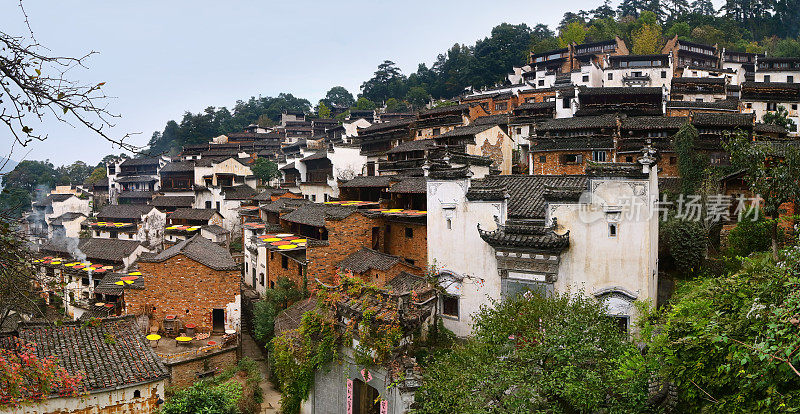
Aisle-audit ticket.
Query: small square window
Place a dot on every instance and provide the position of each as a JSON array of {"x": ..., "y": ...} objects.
[
  {"x": 612, "y": 229},
  {"x": 673, "y": 160},
  {"x": 794, "y": 107},
  {"x": 748, "y": 105},
  {"x": 790, "y": 79},
  {"x": 436, "y": 131},
  {"x": 610, "y": 76},
  {"x": 766, "y": 78},
  {"x": 450, "y": 306},
  {"x": 585, "y": 78},
  {"x": 519, "y": 131},
  {"x": 409, "y": 232},
  {"x": 628, "y": 159},
  {"x": 313, "y": 197},
  {"x": 543, "y": 159},
  {"x": 663, "y": 74},
  {"x": 541, "y": 82},
  {"x": 299, "y": 270}
]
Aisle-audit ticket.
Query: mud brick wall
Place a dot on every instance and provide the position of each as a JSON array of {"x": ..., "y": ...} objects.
[
  {"x": 413, "y": 248},
  {"x": 184, "y": 373},
  {"x": 345, "y": 237}
]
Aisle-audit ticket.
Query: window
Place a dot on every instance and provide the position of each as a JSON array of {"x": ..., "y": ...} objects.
[
  {"x": 612, "y": 229},
  {"x": 208, "y": 204},
  {"x": 663, "y": 74},
  {"x": 772, "y": 106},
  {"x": 419, "y": 133},
  {"x": 543, "y": 159},
  {"x": 621, "y": 322},
  {"x": 698, "y": 99},
  {"x": 313, "y": 197},
  {"x": 450, "y": 306},
  {"x": 790, "y": 79},
  {"x": 272, "y": 285},
  {"x": 97, "y": 233},
  {"x": 541, "y": 82},
  {"x": 748, "y": 105},
  {"x": 436, "y": 131},
  {"x": 565, "y": 103},
  {"x": 673, "y": 160},
  {"x": 519, "y": 131},
  {"x": 571, "y": 159},
  {"x": 217, "y": 205},
  {"x": 766, "y": 78},
  {"x": 409, "y": 232},
  {"x": 326, "y": 198},
  {"x": 137, "y": 394},
  {"x": 599, "y": 156},
  {"x": 284, "y": 262},
  {"x": 794, "y": 107},
  {"x": 585, "y": 78},
  {"x": 449, "y": 224},
  {"x": 299, "y": 270},
  {"x": 261, "y": 279},
  {"x": 610, "y": 76},
  {"x": 409, "y": 261},
  {"x": 629, "y": 159},
  {"x": 113, "y": 234},
  {"x": 500, "y": 106}
]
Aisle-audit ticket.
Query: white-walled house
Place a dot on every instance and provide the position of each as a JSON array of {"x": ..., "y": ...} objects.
[
  {"x": 760, "y": 98},
  {"x": 638, "y": 70},
  {"x": 777, "y": 69},
  {"x": 142, "y": 223},
  {"x": 546, "y": 233}
]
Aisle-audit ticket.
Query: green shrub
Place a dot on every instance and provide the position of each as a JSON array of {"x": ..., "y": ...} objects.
[
  {"x": 687, "y": 243},
  {"x": 202, "y": 397},
  {"x": 749, "y": 236}
]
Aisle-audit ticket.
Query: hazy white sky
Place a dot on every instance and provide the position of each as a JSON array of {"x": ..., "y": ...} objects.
[{"x": 161, "y": 58}]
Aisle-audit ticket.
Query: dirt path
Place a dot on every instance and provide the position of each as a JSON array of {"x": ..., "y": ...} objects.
[{"x": 272, "y": 397}]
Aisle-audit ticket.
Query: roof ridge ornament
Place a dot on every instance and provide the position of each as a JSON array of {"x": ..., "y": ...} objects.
[{"x": 648, "y": 158}]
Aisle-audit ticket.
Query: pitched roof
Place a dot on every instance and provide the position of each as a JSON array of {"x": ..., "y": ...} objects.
[
  {"x": 125, "y": 361},
  {"x": 769, "y": 128},
  {"x": 239, "y": 192},
  {"x": 108, "y": 249},
  {"x": 316, "y": 156},
  {"x": 178, "y": 166},
  {"x": 723, "y": 120},
  {"x": 465, "y": 131},
  {"x": 123, "y": 211},
  {"x": 445, "y": 109},
  {"x": 135, "y": 194},
  {"x": 416, "y": 145},
  {"x": 139, "y": 161},
  {"x": 290, "y": 318},
  {"x": 410, "y": 185},
  {"x": 526, "y": 192},
  {"x": 579, "y": 122},
  {"x": 396, "y": 123},
  {"x": 198, "y": 249},
  {"x": 618, "y": 90},
  {"x": 314, "y": 214},
  {"x": 499, "y": 119},
  {"x": 525, "y": 236},
  {"x": 289, "y": 167},
  {"x": 365, "y": 259},
  {"x": 214, "y": 229},
  {"x": 284, "y": 203},
  {"x": 405, "y": 282},
  {"x": 374, "y": 181},
  {"x": 193, "y": 214},
  {"x": 536, "y": 105},
  {"x": 725, "y": 104},
  {"x": 173, "y": 201},
  {"x": 704, "y": 81},
  {"x": 66, "y": 217},
  {"x": 654, "y": 122},
  {"x": 54, "y": 198},
  {"x": 267, "y": 193}
]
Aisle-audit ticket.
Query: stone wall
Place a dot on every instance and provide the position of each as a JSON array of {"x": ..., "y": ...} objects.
[
  {"x": 553, "y": 163},
  {"x": 184, "y": 373},
  {"x": 344, "y": 237}
]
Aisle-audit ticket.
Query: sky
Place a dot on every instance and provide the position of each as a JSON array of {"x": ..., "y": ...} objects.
[{"x": 162, "y": 58}]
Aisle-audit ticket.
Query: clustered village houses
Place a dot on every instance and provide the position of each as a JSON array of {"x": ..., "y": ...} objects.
[{"x": 489, "y": 194}]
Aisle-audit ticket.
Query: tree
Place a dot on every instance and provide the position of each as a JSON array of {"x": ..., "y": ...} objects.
[
  {"x": 574, "y": 32},
  {"x": 780, "y": 118},
  {"x": 75, "y": 173},
  {"x": 387, "y": 82},
  {"x": 338, "y": 96},
  {"x": 14, "y": 201},
  {"x": 703, "y": 8},
  {"x": 691, "y": 162},
  {"x": 265, "y": 170},
  {"x": 275, "y": 300},
  {"x": 555, "y": 354},
  {"x": 364, "y": 104},
  {"x": 98, "y": 174},
  {"x": 417, "y": 96},
  {"x": 775, "y": 177},
  {"x": 203, "y": 397},
  {"x": 680, "y": 29},
  {"x": 323, "y": 111},
  {"x": 394, "y": 105},
  {"x": 26, "y": 378},
  {"x": 30, "y": 175},
  {"x": 687, "y": 243},
  {"x": 646, "y": 40},
  {"x": 708, "y": 34},
  {"x": 729, "y": 344},
  {"x": 35, "y": 86}
]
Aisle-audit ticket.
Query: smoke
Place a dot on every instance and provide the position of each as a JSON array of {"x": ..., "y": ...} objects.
[{"x": 70, "y": 244}]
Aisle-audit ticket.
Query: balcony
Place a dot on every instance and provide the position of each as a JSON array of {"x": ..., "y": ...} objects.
[
  {"x": 318, "y": 177},
  {"x": 636, "y": 79}
]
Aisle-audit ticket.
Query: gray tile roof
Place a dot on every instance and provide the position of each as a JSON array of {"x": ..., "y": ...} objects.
[
  {"x": 178, "y": 166},
  {"x": 466, "y": 131},
  {"x": 108, "y": 249},
  {"x": 653, "y": 122},
  {"x": 582, "y": 122},
  {"x": 66, "y": 217},
  {"x": 290, "y": 318},
  {"x": 620, "y": 90},
  {"x": 137, "y": 179},
  {"x": 136, "y": 194},
  {"x": 314, "y": 214},
  {"x": 410, "y": 185},
  {"x": 365, "y": 259},
  {"x": 526, "y": 192},
  {"x": 405, "y": 282},
  {"x": 726, "y": 104},
  {"x": 125, "y": 361},
  {"x": 723, "y": 120},
  {"x": 173, "y": 201},
  {"x": 445, "y": 110},
  {"x": 267, "y": 193},
  {"x": 198, "y": 249},
  {"x": 239, "y": 192},
  {"x": 139, "y": 161},
  {"x": 416, "y": 145},
  {"x": 192, "y": 214},
  {"x": 375, "y": 181},
  {"x": 130, "y": 212},
  {"x": 215, "y": 229},
  {"x": 525, "y": 236},
  {"x": 281, "y": 204},
  {"x": 316, "y": 156}
]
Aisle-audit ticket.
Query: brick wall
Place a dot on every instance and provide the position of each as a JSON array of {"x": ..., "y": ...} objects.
[
  {"x": 381, "y": 277},
  {"x": 276, "y": 271},
  {"x": 184, "y": 373},
  {"x": 414, "y": 248},
  {"x": 553, "y": 164},
  {"x": 344, "y": 237},
  {"x": 179, "y": 284},
  {"x": 667, "y": 164}
]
